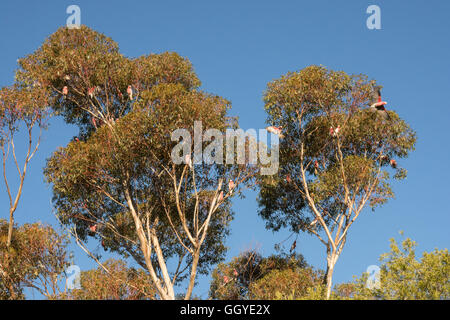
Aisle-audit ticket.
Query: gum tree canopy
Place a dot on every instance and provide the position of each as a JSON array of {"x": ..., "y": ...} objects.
[
  {"x": 116, "y": 181},
  {"x": 336, "y": 157}
]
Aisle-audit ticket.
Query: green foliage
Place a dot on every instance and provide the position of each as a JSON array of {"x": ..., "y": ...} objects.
[
  {"x": 287, "y": 284},
  {"x": 81, "y": 59},
  {"x": 36, "y": 259},
  {"x": 404, "y": 277},
  {"x": 21, "y": 104},
  {"x": 336, "y": 157},
  {"x": 317, "y": 292},
  {"x": 251, "y": 276},
  {"x": 117, "y": 283},
  {"x": 122, "y": 156},
  {"x": 306, "y": 104}
]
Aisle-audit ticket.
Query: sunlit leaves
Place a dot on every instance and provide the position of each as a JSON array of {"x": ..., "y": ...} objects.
[
  {"x": 339, "y": 168},
  {"x": 36, "y": 259},
  {"x": 405, "y": 276},
  {"x": 247, "y": 275},
  {"x": 127, "y": 109},
  {"x": 117, "y": 282}
]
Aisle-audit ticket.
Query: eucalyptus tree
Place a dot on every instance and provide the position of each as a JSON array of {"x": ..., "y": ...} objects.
[
  {"x": 337, "y": 155},
  {"x": 119, "y": 181}
]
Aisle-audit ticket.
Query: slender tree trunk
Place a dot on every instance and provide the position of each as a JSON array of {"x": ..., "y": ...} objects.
[
  {"x": 162, "y": 265},
  {"x": 15, "y": 204},
  {"x": 10, "y": 228},
  {"x": 145, "y": 245},
  {"x": 332, "y": 258},
  {"x": 8, "y": 245},
  {"x": 193, "y": 274}
]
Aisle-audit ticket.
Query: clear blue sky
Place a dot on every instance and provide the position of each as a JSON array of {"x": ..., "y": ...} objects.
[{"x": 236, "y": 47}]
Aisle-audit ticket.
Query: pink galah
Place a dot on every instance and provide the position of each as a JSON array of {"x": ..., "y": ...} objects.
[
  {"x": 377, "y": 104},
  {"x": 235, "y": 273},
  {"x": 226, "y": 279},
  {"x": 93, "y": 228},
  {"x": 220, "y": 196},
  {"x": 94, "y": 122},
  {"x": 393, "y": 164},
  {"x": 316, "y": 167},
  {"x": 335, "y": 132},
  {"x": 380, "y": 104},
  {"x": 91, "y": 92},
  {"x": 288, "y": 178},
  {"x": 130, "y": 92},
  {"x": 65, "y": 90},
  {"x": 231, "y": 185},
  {"x": 275, "y": 130}
]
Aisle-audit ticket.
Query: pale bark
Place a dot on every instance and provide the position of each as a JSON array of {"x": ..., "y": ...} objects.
[
  {"x": 196, "y": 257},
  {"x": 336, "y": 233},
  {"x": 332, "y": 258},
  {"x": 22, "y": 173}
]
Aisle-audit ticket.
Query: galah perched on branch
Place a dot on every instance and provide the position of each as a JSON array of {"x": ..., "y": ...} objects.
[
  {"x": 130, "y": 92},
  {"x": 275, "y": 130},
  {"x": 393, "y": 163},
  {"x": 220, "y": 199},
  {"x": 93, "y": 228},
  {"x": 91, "y": 92},
  {"x": 316, "y": 167},
  {"x": 377, "y": 104},
  {"x": 94, "y": 123},
  {"x": 65, "y": 90},
  {"x": 231, "y": 185},
  {"x": 288, "y": 178},
  {"x": 334, "y": 132}
]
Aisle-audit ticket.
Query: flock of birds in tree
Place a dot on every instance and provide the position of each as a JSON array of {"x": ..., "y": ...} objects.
[
  {"x": 226, "y": 279},
  {"x": 91, "y": 94},
  {"x": 377, "y": 106}
]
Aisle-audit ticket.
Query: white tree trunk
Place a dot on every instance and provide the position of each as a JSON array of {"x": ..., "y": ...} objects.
[{"x": 331, "y": 262}]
